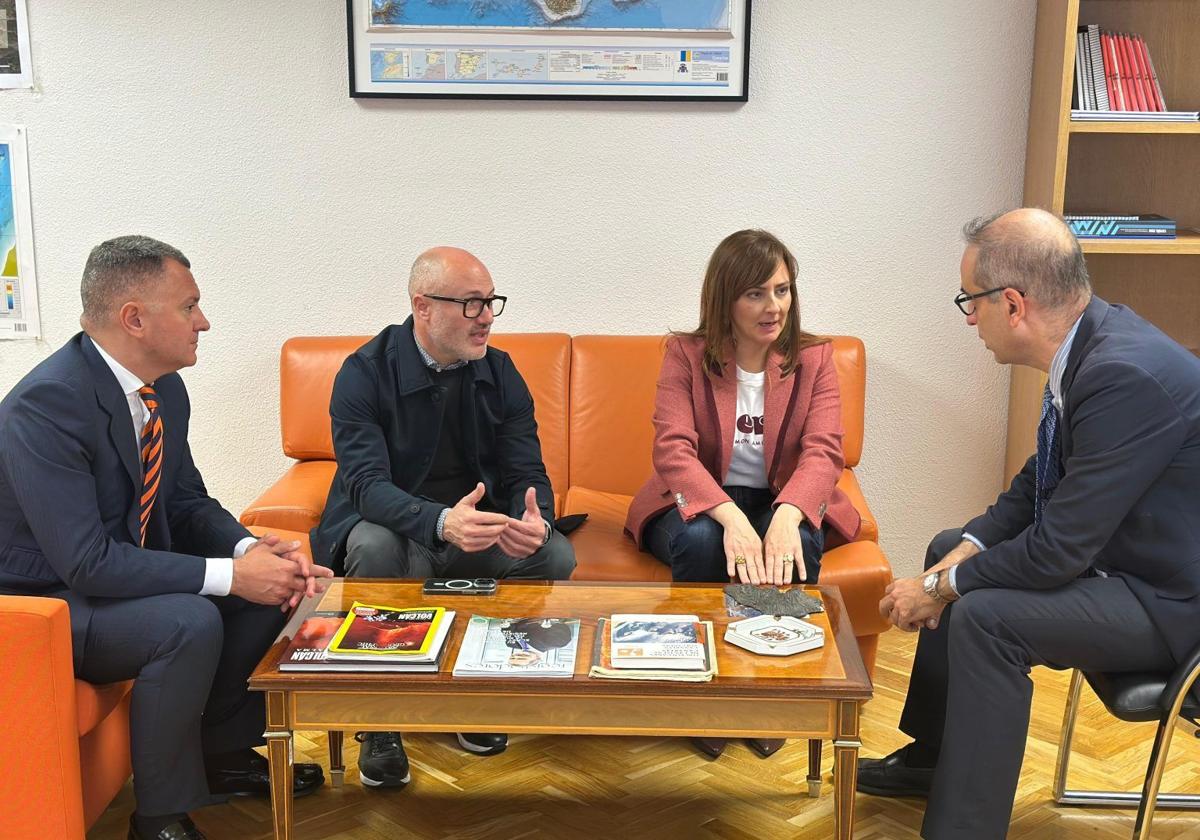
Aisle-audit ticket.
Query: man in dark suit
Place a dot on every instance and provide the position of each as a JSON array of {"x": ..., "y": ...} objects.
[
  {"x": 440, "y": 471},
  {"x": 101, "y": 506},
  {"x": 1088, "y": 560}
]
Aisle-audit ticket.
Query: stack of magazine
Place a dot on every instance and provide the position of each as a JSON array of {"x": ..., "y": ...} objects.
[
  {"x": 654, "y": 647},
  {"x": 370, "y": 638},
  {"x": 518, "y": 647}
]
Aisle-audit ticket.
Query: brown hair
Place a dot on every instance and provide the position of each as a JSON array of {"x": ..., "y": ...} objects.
[{"x": 745, "y": 260}]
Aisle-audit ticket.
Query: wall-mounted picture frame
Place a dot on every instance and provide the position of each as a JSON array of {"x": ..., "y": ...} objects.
[{"x": 655, "y": 50}]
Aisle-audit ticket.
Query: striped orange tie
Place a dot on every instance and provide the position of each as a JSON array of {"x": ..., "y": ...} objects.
[{"x": 152, "y": 450}]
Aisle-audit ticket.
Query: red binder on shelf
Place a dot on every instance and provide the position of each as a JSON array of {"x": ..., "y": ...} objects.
[
  {"x": 1135, "y": 82},
  {"x": 1122, "y": 71},
  {"x": 1115, "y": 101},
  {"x": 1152, "y": 86},
  {"x": 1143, "y": 77}
]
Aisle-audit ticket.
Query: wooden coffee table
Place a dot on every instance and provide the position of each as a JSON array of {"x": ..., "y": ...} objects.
[{"x": 814, "y": 695}]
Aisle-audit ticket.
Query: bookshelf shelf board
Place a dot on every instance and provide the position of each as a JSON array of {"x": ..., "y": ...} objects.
[
  {"x": 1184, "y": 243},
  {"x": 1135, "y": 127}
]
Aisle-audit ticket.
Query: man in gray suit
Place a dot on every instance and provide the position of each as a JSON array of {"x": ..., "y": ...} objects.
[
  {"x": 1088, "y": 560},
  {"x": 102, "y": 507}
]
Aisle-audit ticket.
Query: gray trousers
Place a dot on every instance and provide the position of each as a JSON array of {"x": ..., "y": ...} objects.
[
  {"x": 378, "y": 552},
  {"x": 973, "y": 674}
]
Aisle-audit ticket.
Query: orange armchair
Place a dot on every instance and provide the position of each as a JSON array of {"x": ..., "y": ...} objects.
[
  {"x": 65, "y": 748},
  {"x": 67, "y": 753}
]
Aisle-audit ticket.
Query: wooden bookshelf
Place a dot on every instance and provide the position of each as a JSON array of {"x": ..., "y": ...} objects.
[
  {"x": 1135, "y": 128},
  {"x": 1111, "y": 167},
  {"x": 1184, "y": 243}
]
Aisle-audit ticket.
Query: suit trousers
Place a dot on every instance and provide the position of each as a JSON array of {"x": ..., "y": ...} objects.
[
  {"x": 970, "y": 692},
  {"x": 189, "y": 657},
  {"x": 378, "y": 552}
]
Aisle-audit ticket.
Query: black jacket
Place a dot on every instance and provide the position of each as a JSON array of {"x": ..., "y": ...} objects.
[{"x": 385, "y": 433}]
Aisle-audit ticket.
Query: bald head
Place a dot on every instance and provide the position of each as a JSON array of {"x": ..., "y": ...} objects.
[
  {"x": 1033, "y": 251},
  {"x": 443, "y": 266}
]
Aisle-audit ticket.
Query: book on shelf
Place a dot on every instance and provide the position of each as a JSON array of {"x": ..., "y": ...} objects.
[
  {"x": 1134, "y": 116},
  {"x": 1147, "y": 226},
  {"x": 374, "y": 632},
  {"x": 518, "y": 647},
  {"x": 1115, "y": 76},
  {"x": 602, "y": 665},
  {"x": 309, "y": 649},
  {"x": 657, "y": 642}
]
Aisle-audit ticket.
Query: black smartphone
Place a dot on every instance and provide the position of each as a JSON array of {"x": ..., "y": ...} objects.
[{"x": 460, "y": 586}]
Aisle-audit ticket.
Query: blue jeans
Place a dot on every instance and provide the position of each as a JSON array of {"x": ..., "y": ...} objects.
[{"x": 695, "y": 550}]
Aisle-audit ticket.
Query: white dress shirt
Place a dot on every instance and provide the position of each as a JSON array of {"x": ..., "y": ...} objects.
[{"x": 218, "y": 571}]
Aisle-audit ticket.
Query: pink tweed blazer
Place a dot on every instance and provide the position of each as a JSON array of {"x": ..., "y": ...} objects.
[{"x": 694, "y": 417}]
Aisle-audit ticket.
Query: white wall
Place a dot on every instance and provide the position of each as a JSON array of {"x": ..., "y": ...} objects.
[{"x": 874, "y": 130}]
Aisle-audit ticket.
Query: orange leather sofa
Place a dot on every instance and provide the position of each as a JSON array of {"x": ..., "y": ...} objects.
[
  {"x": 593, "y": 401},
  {"x": 65, "y": 748}
]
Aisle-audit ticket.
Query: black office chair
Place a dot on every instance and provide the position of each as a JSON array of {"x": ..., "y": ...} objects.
[{"x": 1134, "y": 697}]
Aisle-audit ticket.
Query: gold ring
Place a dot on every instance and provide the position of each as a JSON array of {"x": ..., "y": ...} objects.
[
  {"x": 787, "y": 559},
  {"x": 739, "y": 560}
]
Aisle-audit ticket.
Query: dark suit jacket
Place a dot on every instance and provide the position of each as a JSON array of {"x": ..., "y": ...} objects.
[
  {"x": 1127, "y": 500},
  {"x": 71, "y": 477},
  {"x": 385, "y": 433}
]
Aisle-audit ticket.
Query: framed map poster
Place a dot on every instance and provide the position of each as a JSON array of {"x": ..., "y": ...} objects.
[{"x": 550, "y": 49}]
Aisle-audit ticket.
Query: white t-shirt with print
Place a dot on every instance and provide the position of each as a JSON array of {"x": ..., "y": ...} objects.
[{"x": 747, "y": 466}]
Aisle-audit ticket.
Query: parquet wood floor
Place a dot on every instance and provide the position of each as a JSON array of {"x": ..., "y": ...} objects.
[{"x": 584, "y": 787}]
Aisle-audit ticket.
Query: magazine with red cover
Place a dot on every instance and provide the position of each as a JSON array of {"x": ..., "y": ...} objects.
[
  {"x": 371, "y": 631},
  {"x": 309, "y": 648}
]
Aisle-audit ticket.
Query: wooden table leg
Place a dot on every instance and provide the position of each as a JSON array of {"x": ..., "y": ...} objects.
[
  {"x": 337, "y": 764},
  {"x": 279, "y": 758},
  {"x": 845, "y": 769},
  {"x": 814, "y": 767}
]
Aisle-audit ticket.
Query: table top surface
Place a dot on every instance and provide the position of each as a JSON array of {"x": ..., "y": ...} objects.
[{"x": 834, "y": 671}]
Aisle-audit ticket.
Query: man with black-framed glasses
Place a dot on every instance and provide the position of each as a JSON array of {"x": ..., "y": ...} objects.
[
  {"x": 1087, "y": 560},
  {"x": 439, "y": 468}
]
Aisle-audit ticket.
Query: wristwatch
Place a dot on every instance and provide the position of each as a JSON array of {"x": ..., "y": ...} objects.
[{"x": 930, "y": 585}]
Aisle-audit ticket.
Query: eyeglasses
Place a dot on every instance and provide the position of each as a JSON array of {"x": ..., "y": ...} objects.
[
  {"x": 965, "y": 302},
  {"x": 473, "y": 307}
]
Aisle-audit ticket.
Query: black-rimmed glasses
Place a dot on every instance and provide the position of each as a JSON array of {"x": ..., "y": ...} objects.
[
  {"x": 473, "y": 307},
  {"x": 966, "y": 302}
]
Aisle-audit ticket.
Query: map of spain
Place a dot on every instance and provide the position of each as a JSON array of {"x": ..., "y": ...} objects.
[{"x": 683, "y": 15}]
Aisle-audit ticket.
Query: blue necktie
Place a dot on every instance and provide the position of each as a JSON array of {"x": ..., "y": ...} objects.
[{"x": 1048, "y": 472}]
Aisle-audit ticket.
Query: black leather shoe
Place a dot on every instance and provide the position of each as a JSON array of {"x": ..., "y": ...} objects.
[
  {"x": 255, "y": 780},
  {"x": 891, "y": 776},
  {"x": 711, "y": 747},
  {"x": 183, "y": 829},
  {"x": 766, "y": 747},
  {"x": 382, "y": 761},
  {"x": 483, "y": 743}
]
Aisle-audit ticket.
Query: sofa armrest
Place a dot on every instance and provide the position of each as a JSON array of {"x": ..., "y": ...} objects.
[
  {"x": 848, "y": 484},
  {"x": 42, "y": 795},
  {"x": 294, "y": 502}
]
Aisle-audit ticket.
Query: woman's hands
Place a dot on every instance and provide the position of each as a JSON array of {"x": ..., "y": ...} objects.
[
  {"x": 782, "y": 547},
  {"x": 743, "y": 548}
]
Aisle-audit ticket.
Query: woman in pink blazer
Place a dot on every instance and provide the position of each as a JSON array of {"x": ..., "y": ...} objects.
[{"x": 748, "y": 435}]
